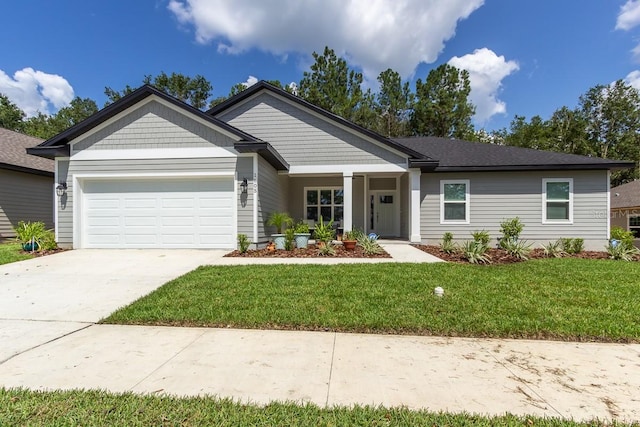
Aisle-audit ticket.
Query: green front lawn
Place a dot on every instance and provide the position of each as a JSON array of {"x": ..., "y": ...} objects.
[
  {"x": 12, "y": 252},
  {"x": 567, "y": 299},
  {"x": 97, "y": 408}
]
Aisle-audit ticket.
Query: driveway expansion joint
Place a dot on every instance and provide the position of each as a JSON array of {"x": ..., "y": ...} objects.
[{"x": 333, "y": 352}]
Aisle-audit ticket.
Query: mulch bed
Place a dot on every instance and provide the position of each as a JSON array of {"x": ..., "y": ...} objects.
[
  {"x": 310, "y": 252},
  {"x": 43, "y": 252},
  {"x": 500, "y": 256}
]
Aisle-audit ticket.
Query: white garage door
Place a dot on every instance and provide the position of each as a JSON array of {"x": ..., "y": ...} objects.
[{"x": 158, "y": 213}]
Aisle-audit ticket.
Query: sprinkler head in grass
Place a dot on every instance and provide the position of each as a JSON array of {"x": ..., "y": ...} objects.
[{"x": 438, "y": 291}]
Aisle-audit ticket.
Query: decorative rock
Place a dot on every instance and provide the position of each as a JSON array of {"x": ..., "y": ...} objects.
[{"x": 438, "y": 291}]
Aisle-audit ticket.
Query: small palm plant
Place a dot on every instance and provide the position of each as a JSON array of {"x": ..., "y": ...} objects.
[{"x": 280, "y": 220}]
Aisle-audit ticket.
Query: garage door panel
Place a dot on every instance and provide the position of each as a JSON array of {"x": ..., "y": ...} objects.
[{"x": 167, "y": 213}]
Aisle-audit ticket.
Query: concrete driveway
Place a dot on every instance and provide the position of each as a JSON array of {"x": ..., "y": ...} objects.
[{"x": 44, "y": 298}]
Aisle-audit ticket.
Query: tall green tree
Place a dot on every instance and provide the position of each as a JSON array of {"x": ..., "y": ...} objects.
[
  {"x": 612, "y": 114},
  {"x": 532, "y": 134},
  {"x": 195, "y": 91},
  {"x": 11, "y": 115},
  {"x": 332, "y": 85},
  {"x": 394, "y": 101},
  {"x": 442, "y": 106},
  {"x": 567, "y": 132},
  {"x": 45, "y": 126}
]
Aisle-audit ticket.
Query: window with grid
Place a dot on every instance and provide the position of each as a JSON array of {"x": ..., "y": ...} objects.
[
  {"x": 634, "y": 226},
  {"x": 558, "y": 200},
  {"x": 454, "y": 201},
  {"x": 327, "y": 203}
]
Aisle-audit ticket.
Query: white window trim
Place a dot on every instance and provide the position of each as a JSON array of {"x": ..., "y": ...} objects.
[
  {"x": 318, "y": 188},
  {"x": 544, "y": 201},
  {"x": 467, "y": 202}
]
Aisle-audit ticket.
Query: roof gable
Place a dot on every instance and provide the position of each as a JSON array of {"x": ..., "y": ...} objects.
[
  {"x": 13, "y": 153},
  {"x": 58, "y": 145},
  {"x": 262, "y": 86}
]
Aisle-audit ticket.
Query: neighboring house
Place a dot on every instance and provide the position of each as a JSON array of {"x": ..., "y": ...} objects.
[
  {"x": 26, "y": 183},
  {"x": 625, "y": 208},
  {"x": 151, "y": 171}
]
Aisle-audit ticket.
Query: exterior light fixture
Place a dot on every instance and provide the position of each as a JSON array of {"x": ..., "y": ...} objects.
[
  {"x": 244, "y": 186},
  {"x": 61, "y": 189}
]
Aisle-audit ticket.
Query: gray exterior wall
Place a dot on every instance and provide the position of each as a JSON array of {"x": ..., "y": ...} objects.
[
  {"x": 405, "y": 209},
  {"x": 153, "y": 125},
  {"x": 244, "y": 169},
  {"x": 303, "y": 138},
  {"x": 114, "y": 167},
  {"x": 495, "y": 196},
  {"x": 273, "y": 190},
  {"x": 24, "y": 197}
]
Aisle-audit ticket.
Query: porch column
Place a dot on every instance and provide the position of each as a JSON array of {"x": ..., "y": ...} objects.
[
  {"x": 347, "y": 187},
  {"x": 414, "y": 201}
]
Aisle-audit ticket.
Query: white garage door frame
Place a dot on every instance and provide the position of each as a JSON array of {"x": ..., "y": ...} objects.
[{"x": 78, "y": 193}]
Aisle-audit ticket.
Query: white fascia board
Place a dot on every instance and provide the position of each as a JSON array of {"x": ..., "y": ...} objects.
[
  {"x": 342, "y": 169},
  {"x": 150, "y": 175},
  {"x": 155, "y": 153},
  {"x": 151, "y": 98}
]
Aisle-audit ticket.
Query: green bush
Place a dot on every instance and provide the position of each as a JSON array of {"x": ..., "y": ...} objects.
[
  {"x": 327, "y": 249},
  {"x": 572, "y": 246},
  {"x": 510, "y": 229},
  {"x": 447, "y": 245},
  {"x": 36, "y": 232},
  {"x": 623, "y": 236},
  {"x": 481, "y": 237},
  {"x": 243, "y": 243},
  {"x": 370, "y": 246},
  {"x": 301, "y": 228},
  {"x": 355, "y": 234},
  {"x": 475, "y": 253},
  {"x": 553, "y": 249},
  {"x": 622, "y": 252},
  {"x": 324, "y": 232},
  {"x": 518, "y": 248},
  {"x": 289, "y": 238}
]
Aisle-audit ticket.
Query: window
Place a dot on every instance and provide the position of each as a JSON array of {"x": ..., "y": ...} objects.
[
  {"x": 454, "y": 201},
  {"x": 327, "y": 203},
  {"x": 634, "y": 226},
  {"x": 557, "y": 200}
]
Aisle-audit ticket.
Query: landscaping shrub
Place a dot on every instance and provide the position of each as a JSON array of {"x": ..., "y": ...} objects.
[
  {"x": 518, "y": 248},
  {"x": 370, "y": 246},
  {"x": 553, "y": 249},
  {"x": 447, "y": 245},
  {"x": 622, "y": 252},
  {"x": 289, "y": 238},
  {"x": 572, "y": 246},
  {"x": 622, "y": 235},
  {"x": 510, "y": 229},
  {"x": 475, "y": 252},
  {"x": 243, "y": 243},
  {"x": 36, "y": 232},
  {"x": 481, "y": 237}
]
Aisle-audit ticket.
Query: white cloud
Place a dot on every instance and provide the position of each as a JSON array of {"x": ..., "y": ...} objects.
[
  {"x": 34, "y": 91},
  {"x": 629, "y": 15},
  {"x": 372, "y": 34},
  {"x": 486, "y": 72},
  {"x": 633, "y": 79},
  {"x": 250, "y": 81}
]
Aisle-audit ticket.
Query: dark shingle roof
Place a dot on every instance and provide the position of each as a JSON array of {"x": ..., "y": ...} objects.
[
  {"x": 626, "y": 195},
  {"x": 457, "y": 155},
  {"x": 13, "y": 153}
]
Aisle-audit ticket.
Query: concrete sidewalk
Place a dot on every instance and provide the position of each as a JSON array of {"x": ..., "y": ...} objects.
[{"x": 555, "y": 379}]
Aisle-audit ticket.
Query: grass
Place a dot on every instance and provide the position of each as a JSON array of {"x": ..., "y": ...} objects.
[
  {"x": 20, "y": 407},
  {"x": 10, "y": 252},
  {"x": 565, "y": 299}
]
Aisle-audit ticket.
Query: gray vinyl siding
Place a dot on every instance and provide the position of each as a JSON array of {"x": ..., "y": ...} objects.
[
  {"x": 495, "y": 196},
  {"x": 153, "y": 125},
  {"x": 272, "y": 194},
  {"x": 24, "y": 197},
  {"x": 115, "y": 167},
  {"x": 303, "y": 138},
  {"x": 244, "y": 169}
]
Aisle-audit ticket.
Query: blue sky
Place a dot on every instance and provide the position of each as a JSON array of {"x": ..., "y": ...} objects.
[{"x": 525, "y": 57}]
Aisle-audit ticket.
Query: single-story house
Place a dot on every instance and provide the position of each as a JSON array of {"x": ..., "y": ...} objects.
[
  {"x": 625, "y": 208},
  {"x": 26, "y": 183},
  {"x": 150, "y": 171}
]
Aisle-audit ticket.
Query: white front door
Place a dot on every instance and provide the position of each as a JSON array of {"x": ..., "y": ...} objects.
[{"x": 384, "y": 216}]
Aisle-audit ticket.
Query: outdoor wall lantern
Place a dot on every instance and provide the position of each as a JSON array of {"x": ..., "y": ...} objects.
[
  {"x": 244, "y": 186},
  {"x": 61, "y": 189}
]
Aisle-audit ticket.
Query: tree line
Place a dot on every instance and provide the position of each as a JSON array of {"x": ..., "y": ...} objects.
[{"x": 605, "y": 123}]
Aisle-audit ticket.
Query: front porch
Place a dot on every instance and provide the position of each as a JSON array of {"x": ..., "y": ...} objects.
[{"x": 382, "y": 203}]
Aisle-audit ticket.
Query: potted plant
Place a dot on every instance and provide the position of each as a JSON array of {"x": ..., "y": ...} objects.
[
  {"x": 301, "y": 235},
  {"x": 350, "y": 239},
  {"x": 324, "y": 233},
  {"x": 280, "y": 220}
]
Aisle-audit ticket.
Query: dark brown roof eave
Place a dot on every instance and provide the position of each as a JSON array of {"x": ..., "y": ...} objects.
[
  {"x": 265, "y": 150},
  {"x": 23, "y": 169},
  {"x": 50, "y": 152},
  {"x": 555, "y": 167}
]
